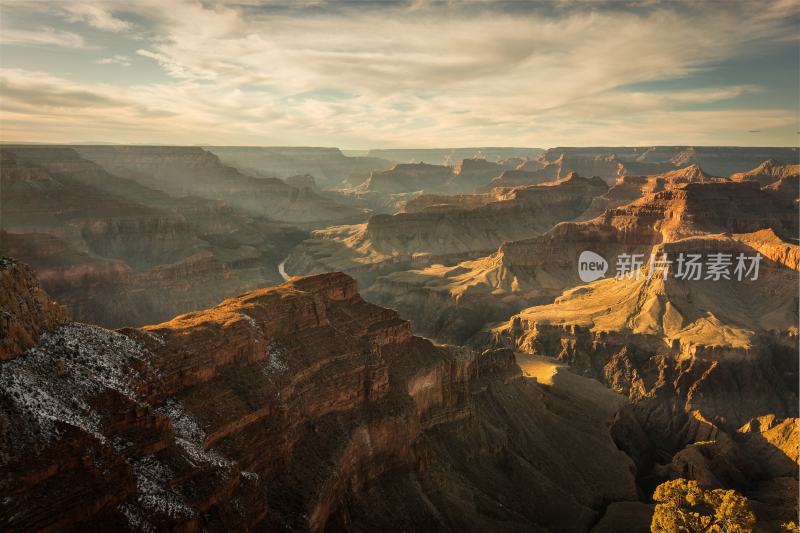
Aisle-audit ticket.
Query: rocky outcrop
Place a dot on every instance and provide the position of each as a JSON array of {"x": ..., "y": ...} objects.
[
  {"x": 473, "y": 174},
  {"x": 607, "y": 167},
  {"x": 780, "y": 181},
  {"x": 704, "y": 208},
  {"x": 301, "y": 181},
  {"x": 768, "y": 173},
  {"x": 295, "y": 407},
  {"x": 630, "y": 188},
  {"x": 25, "y": 310}
]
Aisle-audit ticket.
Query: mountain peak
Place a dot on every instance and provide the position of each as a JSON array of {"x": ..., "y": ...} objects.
[{"x": 690, "y": 173}]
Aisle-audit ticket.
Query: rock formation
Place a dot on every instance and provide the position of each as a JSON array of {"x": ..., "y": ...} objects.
[
  {"x": 472, "y": 175},
  {"x": 452, "y": 303},
  {"x": 303, "y": 407},
  {"x": 25, "y": 310},
  {"x": 630, "y": 188},
  {"x": 606, "y": 167},
  {"x": 519, "y": 176},
  {"x": 442, "y": 228},
  {"x": 301, "y": 181},
  {"x": 409, "y": 177},
  {"x": 704, "y": 361},
  {"x": 768, "y": 172},
  {"x": 295, "y": 407}
]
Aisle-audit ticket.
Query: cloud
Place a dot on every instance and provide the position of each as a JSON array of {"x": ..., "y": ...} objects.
[
  {"x": 43, "y": 36},
  {"x": 394, "y": 74},
  {"x": 94, "y": 15},
  {"x": 36, "y": 95},
  {"x": 117, "y": 59}
]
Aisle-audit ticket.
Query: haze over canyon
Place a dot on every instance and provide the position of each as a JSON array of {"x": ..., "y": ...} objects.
[{"x": 304, "y": 400}]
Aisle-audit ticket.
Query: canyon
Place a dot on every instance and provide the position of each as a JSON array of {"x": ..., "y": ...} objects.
[
  {"x": 119, "y": 253},
  {"x": 298, "y": 406},
  {"x": 442, "y": 228},
  {"x": 710, "y": 367},
  {"x": 453, "y": 302},
  {"x": 184, "y": 171},
  {"x": 268, "y": 370}
]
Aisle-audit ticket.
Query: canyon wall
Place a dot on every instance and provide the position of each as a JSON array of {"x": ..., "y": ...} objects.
[
  {"x": 294, "y": 407},
  {"x": 119, "y": 253},
  {"x": 453, "y": 302},
  {"x": 454, "y": 228}
]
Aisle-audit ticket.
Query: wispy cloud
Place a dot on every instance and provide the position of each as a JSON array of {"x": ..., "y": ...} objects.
[
  {"x": 96, "y": 16},
  {"x": 42, "y": 36},
  {"x": 428, "y": 72},
  {"x": 116, "y": 59}
]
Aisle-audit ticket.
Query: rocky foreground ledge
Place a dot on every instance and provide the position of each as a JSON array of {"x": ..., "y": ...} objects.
[{"x": 293, "y": 408}]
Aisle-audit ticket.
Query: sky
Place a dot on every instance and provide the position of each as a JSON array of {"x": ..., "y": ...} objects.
[{"x": 391, "y": 74}]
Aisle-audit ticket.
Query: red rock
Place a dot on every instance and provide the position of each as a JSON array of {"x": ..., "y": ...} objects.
[
  {"x": 25, "y": 310},
  {"x": 285, "y": 408}
]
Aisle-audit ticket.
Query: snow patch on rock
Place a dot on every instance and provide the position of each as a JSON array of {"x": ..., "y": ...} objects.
[
  {"x": 276, "y": 359},
  {"x": 155, "y": 494},
  {"x": 189, "y": 436},
  {"x": 53, "y": 383}
]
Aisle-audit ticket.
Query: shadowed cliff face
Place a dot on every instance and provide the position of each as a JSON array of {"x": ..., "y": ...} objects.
[
  {"x": 25, "y": 310},
  {"x": 300, "y": 406}
]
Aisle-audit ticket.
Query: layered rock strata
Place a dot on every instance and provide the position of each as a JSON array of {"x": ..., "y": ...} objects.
[
  {"x": 454, "y": 302},
  {"x": 443, "y": 229},
  {"x": 296, "y": 407}
]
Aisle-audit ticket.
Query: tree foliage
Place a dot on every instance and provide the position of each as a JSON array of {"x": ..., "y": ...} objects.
[{"x": 682, "y": 506}]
